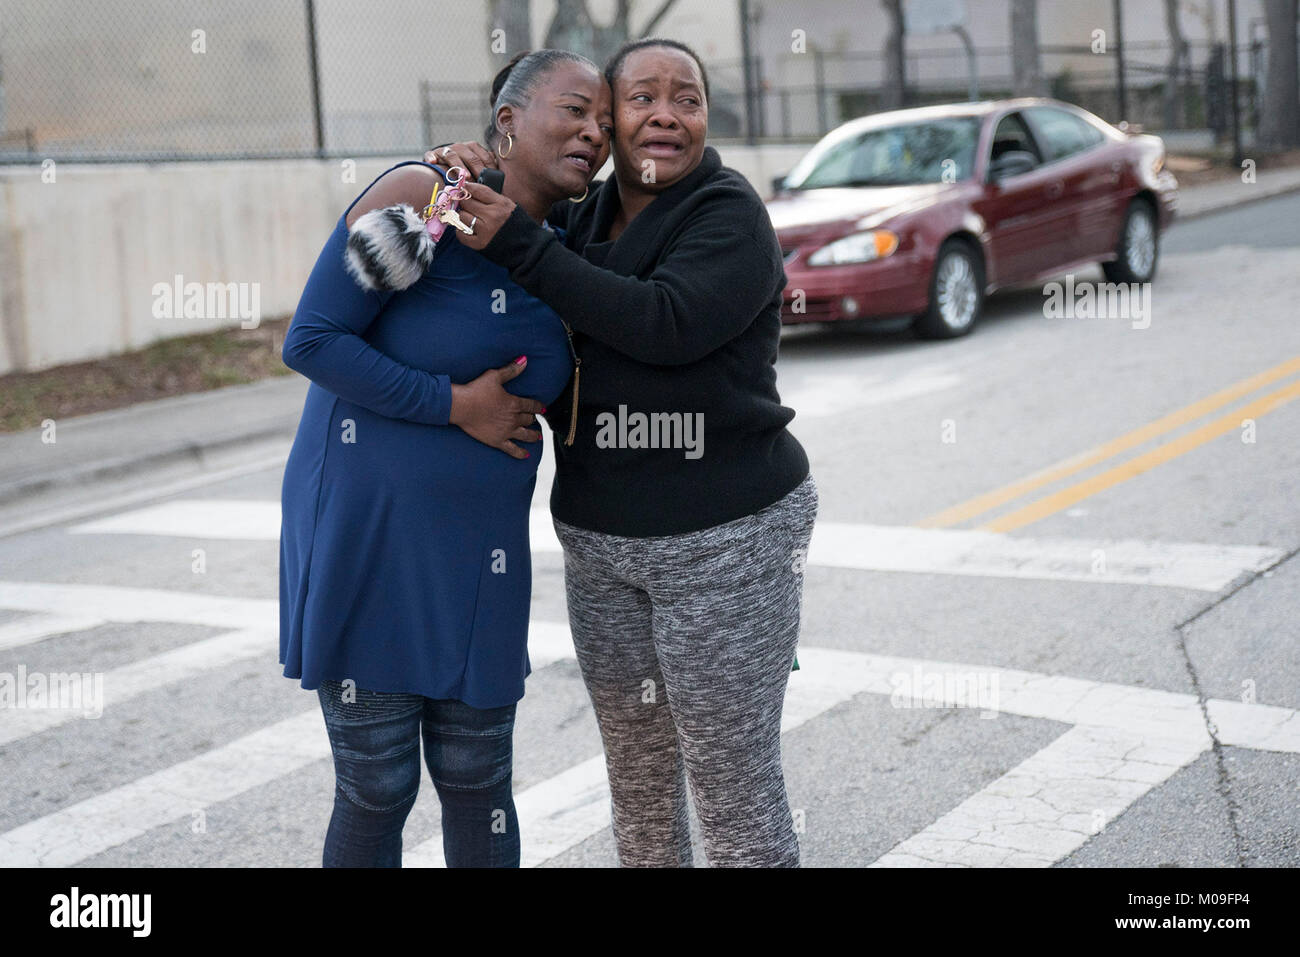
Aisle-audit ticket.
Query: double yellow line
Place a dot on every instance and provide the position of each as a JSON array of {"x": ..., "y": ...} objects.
[{"x": 1055, "y": 502}]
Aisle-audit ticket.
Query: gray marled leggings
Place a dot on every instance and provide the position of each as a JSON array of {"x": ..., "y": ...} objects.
[{"x": 685, "y": 644}]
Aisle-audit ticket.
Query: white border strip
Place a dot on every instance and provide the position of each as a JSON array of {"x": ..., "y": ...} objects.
[{"x": 882, "y": 548}]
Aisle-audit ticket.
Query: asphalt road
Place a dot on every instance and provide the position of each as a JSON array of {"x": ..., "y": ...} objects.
[{"x": 1124, "y": 609}]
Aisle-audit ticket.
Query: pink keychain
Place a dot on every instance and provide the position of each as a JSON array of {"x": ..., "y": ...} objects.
[
  {"x": 441, "y": 210},
  {"x": 381, "y": 255}
]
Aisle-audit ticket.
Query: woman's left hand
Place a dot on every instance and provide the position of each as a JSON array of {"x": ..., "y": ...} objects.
[
  {"x": 471, "y": 156},
  {"x": 491, "y": 209}
]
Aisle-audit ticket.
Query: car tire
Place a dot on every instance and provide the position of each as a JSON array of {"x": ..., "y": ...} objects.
[
  {"x": 956, "y": 293},
  {"x": 1138, "y": 251}
]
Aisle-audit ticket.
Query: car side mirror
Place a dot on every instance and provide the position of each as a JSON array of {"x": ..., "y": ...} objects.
[
  {"x": 1011, "y": 163},
  {"x": 778, "y": 183}
]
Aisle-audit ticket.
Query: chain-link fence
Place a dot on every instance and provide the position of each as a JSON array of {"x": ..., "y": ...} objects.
[
  {"x": 117, "y": 80},
  {"x": 192, "y": 79},
  {"x": 184, "y": 79},
  {"x": 188, "y": 79},
  {"x": 805, "y": 95}
]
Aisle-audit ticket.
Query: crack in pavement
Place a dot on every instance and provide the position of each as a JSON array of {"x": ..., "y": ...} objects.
[{"x": 1224, "y": 781}]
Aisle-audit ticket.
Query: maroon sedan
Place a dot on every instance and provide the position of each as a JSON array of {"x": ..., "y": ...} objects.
[{"x": 922, "y": 212}]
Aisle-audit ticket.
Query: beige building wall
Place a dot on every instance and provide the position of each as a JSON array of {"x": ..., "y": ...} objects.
[{"x": 80, "y": 257}]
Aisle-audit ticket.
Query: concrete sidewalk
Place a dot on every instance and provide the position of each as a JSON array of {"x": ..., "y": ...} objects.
[
  {"x": 1212, "y": 197},
  {"x": 148, "y": 436},
  {"x": 152, "y": 435}
]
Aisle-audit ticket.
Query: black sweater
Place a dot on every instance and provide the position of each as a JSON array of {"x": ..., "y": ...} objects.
[{"x": 682, "y": 314}]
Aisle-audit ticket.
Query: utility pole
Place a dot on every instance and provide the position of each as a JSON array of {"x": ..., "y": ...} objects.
[
  {"x": 1119, "y": 59},
  {"x": 315, "y": 78},
  {"x": 1232, "y": 83},
  {"x": 751, "y": 125}
]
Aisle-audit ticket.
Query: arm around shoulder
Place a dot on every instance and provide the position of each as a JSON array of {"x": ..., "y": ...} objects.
[{"x": 710, "y": 282}]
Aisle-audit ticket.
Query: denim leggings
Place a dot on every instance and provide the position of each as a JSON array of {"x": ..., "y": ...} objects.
[{"x": 376, "y": 743}]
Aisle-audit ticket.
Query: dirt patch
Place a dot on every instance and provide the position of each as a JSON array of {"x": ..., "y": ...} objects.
[
  {"x": 172, "y": 367},
  {"x": 1200, "y": 170}
]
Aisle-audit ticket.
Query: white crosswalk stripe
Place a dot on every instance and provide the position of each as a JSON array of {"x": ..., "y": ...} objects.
[
  {"x": 115, "y": 603},
  {"x": 830, "y": 394},
  {"x": 547, "y": 641},
  {"x": 33, "y": 628},
  {"x": 120, "y": 684},
  {"x": 1049, "y": 805},
  {"x": 882, "y": 548},
  {"x": 1124, "y": 741},
  {"x": 82, "y": 830},
  {"x": 567, "y": 809}
]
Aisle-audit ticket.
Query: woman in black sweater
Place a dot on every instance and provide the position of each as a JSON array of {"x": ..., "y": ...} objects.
[{"x": 684, "y": 505}]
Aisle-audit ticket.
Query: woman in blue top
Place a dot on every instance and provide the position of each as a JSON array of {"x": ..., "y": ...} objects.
[{"x": 404, "y": 554}]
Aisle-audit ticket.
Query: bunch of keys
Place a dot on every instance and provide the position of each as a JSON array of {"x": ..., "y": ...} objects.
[{"x": 441, "y": 210}]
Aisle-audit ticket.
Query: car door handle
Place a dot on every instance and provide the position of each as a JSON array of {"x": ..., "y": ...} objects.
[{"x": 1054, "y": 190}]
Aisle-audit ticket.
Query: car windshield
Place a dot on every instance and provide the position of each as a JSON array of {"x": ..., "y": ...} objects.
[{"x": 939, "y": 151}]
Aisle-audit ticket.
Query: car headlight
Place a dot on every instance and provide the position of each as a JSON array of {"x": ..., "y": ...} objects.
[{"x": 857, "y": 248}]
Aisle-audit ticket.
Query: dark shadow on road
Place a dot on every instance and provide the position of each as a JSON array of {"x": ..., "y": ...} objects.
[{"x": 1270, "y": 224}]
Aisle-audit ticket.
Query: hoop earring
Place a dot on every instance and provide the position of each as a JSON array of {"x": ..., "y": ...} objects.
[
  {"x": 582, "y": 197},
  {"x": 510, "y": 145}
]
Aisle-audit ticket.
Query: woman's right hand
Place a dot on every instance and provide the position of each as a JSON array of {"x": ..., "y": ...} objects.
[
  {"x": 474, "y": 157},
  {"x": 484, "y": 410}
]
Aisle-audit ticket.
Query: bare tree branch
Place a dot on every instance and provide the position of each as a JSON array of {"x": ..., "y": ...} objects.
[{"x": 653, "y": 22}]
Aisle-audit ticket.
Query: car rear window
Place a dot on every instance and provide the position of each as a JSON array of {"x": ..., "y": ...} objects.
[
  {"x": 937, "y": 151},
  {"x": 1062, "y": 133}
]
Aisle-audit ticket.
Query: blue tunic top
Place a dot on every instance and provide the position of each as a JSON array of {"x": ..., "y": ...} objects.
[{"x": 404, "y": 553}]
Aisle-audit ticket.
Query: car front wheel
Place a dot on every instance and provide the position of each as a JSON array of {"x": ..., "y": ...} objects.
[
  {"x": 956, "y": 294},
  {"x": 1139, "y": 246}
]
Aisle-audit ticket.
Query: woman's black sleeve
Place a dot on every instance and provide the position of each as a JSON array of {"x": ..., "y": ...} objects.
[
  {"x": 710, "y": 282},
  {"x": 559, "y": 214}
]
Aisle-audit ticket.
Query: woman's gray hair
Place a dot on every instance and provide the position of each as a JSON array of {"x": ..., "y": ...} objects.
[{"x": 519, "y": 79}]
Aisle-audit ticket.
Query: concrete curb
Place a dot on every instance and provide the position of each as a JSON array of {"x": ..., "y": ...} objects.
[
  {"x": 1281, "y": 189},
  {"x": 127, "y": 465}
]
